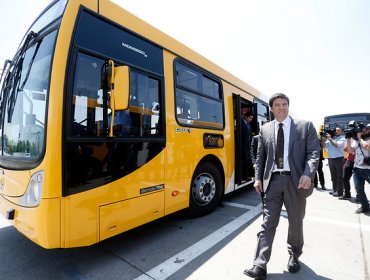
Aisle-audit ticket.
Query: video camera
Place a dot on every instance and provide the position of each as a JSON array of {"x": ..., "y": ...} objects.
[
  {"x": 330, "y": 131},
  {"x": 353, "y": 128}
]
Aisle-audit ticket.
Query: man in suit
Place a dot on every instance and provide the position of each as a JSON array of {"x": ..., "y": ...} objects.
[
  {"x": 284, "y": 175},
  {"x": 247, "y": 168}
]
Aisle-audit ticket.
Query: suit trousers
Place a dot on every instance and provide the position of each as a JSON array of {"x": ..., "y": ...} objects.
[{"x": 280, "y": 191}]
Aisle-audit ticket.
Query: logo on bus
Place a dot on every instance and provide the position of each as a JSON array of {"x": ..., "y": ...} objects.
[
  {"x": 134, "y": 49},
  {"x": 183, "y": 129},
  {"x": 151, "y": 189}
]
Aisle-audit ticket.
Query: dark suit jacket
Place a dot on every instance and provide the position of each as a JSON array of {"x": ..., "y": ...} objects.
[
  {"x": 246, "y": 140},
  {"x": 304, "y": 153}
]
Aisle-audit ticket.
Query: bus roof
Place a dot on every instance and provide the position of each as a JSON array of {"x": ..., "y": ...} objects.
[
  {"x": 121, "y": 16},
  {"x": 348, "y": 115}
]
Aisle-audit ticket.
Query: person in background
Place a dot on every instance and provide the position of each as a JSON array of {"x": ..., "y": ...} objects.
[
  {"x": 334, "y": 146},
  {"x": 285, "y": 169},
  {"x": 361, "y": 170},
  {"x": 347, "y": 171},
  {"x": 319, "y": 169},
  {"x": 246, "y": 130}
]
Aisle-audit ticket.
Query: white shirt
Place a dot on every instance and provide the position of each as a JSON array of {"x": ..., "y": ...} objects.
[
  {"x": 359, "y": 158},
  {"x": 286, "y": 128}
]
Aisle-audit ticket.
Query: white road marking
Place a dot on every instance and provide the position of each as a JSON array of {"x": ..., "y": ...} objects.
[
  {"x": 338, "y": 223},
  {"x": 176, "y": 262},
  {"x": 331, "y": 222},
  {"x": 238, "y": 205},
  {"x": 3, "y": 223}
]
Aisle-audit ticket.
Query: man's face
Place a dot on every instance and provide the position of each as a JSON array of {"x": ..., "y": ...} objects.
[
  {"x": 338, "y": 131},
  {"x": 244, "y": 111},
  {"x": 280, "y": 108},
  {"x": 249, "y": 119}
]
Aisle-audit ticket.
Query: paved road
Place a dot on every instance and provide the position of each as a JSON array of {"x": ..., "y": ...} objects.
[{"x": 218, "y": 246}]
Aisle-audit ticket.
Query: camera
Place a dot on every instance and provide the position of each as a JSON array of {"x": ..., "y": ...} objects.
[
  {"x": 330, "y": 131},
  {"x": 353, "y": 128}
]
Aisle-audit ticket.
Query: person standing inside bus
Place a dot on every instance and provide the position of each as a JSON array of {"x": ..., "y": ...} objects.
[
  {"x": 285, "y": 169},
  {"x": 334, "y": 145},
  {"x": 247, "y": 168}
]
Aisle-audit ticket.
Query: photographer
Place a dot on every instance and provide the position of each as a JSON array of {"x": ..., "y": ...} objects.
[
  {"x": 334, "y": 146},
  {"x": 361, "y": 171}
]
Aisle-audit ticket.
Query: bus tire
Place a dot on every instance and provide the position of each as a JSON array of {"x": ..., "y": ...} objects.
[{"x": 205, "y": 190}]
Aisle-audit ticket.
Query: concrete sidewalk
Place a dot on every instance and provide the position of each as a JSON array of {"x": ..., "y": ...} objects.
[{"x": 337, "y": 244}]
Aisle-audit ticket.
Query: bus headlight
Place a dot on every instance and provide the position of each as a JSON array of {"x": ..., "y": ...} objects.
[{"x": 33, "y": 193}]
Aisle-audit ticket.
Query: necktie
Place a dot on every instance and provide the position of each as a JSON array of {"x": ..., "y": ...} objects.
[{"x": 279, "y": 156}]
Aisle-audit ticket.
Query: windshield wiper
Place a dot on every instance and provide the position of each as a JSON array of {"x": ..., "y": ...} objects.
[
  {"x": 29, "y": 66},
  {"x": 2, "y": 83},
  {"x": 13, "y": 77}
]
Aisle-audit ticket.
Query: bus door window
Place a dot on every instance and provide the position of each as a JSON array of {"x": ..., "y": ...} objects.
[
  {"x": 144, "y": 105},
  {"x": 87, "y": 102},
  {"x": 262, "y": 113}
]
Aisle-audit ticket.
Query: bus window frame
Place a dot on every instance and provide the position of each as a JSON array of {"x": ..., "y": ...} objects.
[
  {"x": 69, "y": 95},
  {"x": 207, "y": 75}
]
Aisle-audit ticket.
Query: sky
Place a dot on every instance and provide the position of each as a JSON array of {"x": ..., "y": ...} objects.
[{"x": 317, "y": 52}]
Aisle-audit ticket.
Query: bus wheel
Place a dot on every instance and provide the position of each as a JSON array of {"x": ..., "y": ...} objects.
[{"x": 205, "y": 191}]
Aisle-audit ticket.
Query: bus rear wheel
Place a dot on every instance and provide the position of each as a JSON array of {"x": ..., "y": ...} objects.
[{"x": 206, "y": 190}]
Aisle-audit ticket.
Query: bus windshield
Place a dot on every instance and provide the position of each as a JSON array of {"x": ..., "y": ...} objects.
[{"x": 24, "y": 98}]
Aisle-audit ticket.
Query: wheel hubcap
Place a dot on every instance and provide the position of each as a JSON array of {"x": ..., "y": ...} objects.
[{"x": 204, "y": 189}]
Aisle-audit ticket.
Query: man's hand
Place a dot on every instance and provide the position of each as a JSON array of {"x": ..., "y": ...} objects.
[
  {"x": 304, "y": 182},
  {"x": 258, "y": 186}
]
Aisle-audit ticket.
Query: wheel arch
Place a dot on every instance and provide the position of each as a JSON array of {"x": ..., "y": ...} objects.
[{"x": 217, "y": 163}]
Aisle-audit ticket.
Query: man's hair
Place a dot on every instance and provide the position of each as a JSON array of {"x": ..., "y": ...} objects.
[
  {"x": 276, "y": 96},
  {"x": 249, "y": 113}
]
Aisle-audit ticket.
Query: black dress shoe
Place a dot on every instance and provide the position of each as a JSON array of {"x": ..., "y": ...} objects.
[
  {"x": 336, "y": 194},
  {"x": 293, "y": 265},
  {"x": 256, "y": 272},
  {"x": 345, "y": 197},
  {"x": 323, "y": 188},
  {"x": 361, "y": 210}
]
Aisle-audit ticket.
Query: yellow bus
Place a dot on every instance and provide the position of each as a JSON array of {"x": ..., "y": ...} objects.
[{"x": 107, "y": 123}]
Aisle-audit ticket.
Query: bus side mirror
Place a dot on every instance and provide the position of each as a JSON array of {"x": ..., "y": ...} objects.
[{"x": 120, "y": 88}]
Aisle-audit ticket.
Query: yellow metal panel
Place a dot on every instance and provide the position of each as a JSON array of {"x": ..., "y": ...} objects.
[
  {"x": 53, "y": 155},
  {"x": 14, "y": 182},
  {"x": 81, "y": 213},
  {"x": 40, "y": 224},
  {"x": 124, "y": 215}
]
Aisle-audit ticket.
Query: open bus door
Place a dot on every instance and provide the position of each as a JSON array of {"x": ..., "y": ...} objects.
[
  {"x": 238, "y": 103},
  {"x": 238, "y": 140}
]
